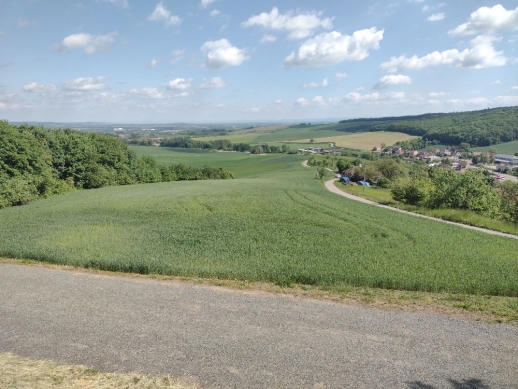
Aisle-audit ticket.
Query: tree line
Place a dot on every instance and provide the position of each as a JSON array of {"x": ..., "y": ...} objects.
[
  {"x": 39, "y": 163},
  {"x": 478, "y": 128},
  {"x": 223, "y": 145}
]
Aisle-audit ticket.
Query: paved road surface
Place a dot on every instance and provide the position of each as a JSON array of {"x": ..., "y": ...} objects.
[{"x": 232, "y": 339}]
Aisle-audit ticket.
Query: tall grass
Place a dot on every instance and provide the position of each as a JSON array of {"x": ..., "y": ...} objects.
[{"x": 281, "y": 226}]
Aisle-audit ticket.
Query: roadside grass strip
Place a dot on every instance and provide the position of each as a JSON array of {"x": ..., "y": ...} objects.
[{"x": 23, "y": 373}]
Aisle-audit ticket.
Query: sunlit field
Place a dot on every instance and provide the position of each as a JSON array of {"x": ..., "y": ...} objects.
[{"x": 280, "y": 226}]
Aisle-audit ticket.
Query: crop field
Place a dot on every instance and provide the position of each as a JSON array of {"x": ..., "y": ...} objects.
[
  {"x": 322, "y": 134},
  {"x": 503, "y": 148},
  {"x": 281, "y": 226},
  {"x": 240, "y": 164},
  {"x": 364, "y": 140}
]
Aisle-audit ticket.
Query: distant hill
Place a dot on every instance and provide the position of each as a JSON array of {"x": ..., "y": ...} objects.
[{"x": 478, "y": 128}]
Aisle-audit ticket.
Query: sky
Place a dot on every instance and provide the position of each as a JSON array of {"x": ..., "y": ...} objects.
[{"x": 136, "y": 61}]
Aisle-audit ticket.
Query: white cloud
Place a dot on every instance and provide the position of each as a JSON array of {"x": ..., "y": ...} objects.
[
  {"x": 356, "y": 97},
  {"x": 120, "y": 3},
  {"x": 478, "y": 101},
  {"x": 341, "y": 76},
  {"x": 387, "y": 81},
  {"x": 152, "y": 93},
  {"x": 427, "y": 8},
  {"x": 179, "y": 84},
  {"x": 206, "y": 3},
  {"x": 434, "y": 102},
  {"x": 331, "y": 48},
  {"x": 497, "y": 82},
  {"x": 26, "y": 23},
  {"x": 268, "y": 38},
  {"x": 514, "y": 87},
  {"x": 153, "y": 63},
  {"x": 481, "y": 55},
  {"x": 298, "y": 26},
  {"x": 318, "y": 100},
  {"x": 506, "y": 100},
  {"x": 438, "y": 94},
  {"x": 488, "y": 19},
  {"x": 278, "y": 101},
  {"x": 221, "y": 54},
  {"x": 183, "y": 94},
  {"x": 253, "y": 109},
  {"x": 324, "y": 83},
  {"x": 34, "y": 87},
  {"x": 435, "y": 17},
  {"x": 302, "y": 102},
  {"x": 85, "y": 84},
  {"x": 220, "y": 106},
  {"x": 214, "y": 13},
  {"x": 214, "y": 83},
  {"x": 177, "y": 56},
  {"x": 454, "y": 101},
  {"x": 90, "y": 43},
  {"x": 162, "y": 14}
]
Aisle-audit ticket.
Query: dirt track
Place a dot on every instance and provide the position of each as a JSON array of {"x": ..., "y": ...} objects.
[{"x": 232, "y": 339}]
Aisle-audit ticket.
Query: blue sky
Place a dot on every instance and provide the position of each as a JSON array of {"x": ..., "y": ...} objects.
[{"x": 234, "y": 60}]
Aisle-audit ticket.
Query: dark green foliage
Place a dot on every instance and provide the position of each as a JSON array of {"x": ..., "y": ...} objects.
[
  {"x": 223, "y": 145},
  {"x": 444, "y": 188},
  {"x": 476, "y": 128},
  {"x": 36, "y": 163},
  {"x": 342, "y": 165},
  {"x": 509, "y": 192}
]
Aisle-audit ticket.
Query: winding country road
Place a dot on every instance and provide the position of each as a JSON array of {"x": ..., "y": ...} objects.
[
  {"x": 233, "y": 339},
  {"x": 330, "y": 186}
]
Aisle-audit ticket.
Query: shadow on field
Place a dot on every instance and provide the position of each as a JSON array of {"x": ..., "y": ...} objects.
[{"x": 465, "y": 384}]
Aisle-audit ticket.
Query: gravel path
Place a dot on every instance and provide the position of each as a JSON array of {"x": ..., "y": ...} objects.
[
  {"x": 233, "y": 339},
  {"x": 330, "y": 185}
]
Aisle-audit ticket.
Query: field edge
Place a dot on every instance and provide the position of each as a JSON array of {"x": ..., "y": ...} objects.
[{"x": 485, "y": 308}]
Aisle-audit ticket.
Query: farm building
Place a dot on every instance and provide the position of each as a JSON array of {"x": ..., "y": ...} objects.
[{"x": 508, "y": 159}]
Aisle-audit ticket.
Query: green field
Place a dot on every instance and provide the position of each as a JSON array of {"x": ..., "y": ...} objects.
[
  {"x": 503, "y": 148},
  {"x": 240, "y": 164},
  {"x": 275, "y": 224}
]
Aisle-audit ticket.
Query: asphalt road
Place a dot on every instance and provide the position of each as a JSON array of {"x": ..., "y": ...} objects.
[{"x": 233, "y": 339}]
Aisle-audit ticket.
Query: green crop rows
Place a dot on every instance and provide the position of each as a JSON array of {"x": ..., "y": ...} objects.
[{"x": 280, "y": 226}]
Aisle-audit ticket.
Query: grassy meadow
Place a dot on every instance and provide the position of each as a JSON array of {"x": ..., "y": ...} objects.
[
  {"x": 275, "y": 223},
  {"x": 503, "y": 148}
]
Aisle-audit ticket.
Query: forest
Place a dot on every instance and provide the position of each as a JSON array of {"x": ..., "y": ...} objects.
[
  {"x": 39, "y": 163},
  {"x": 478, "y": 128}
]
